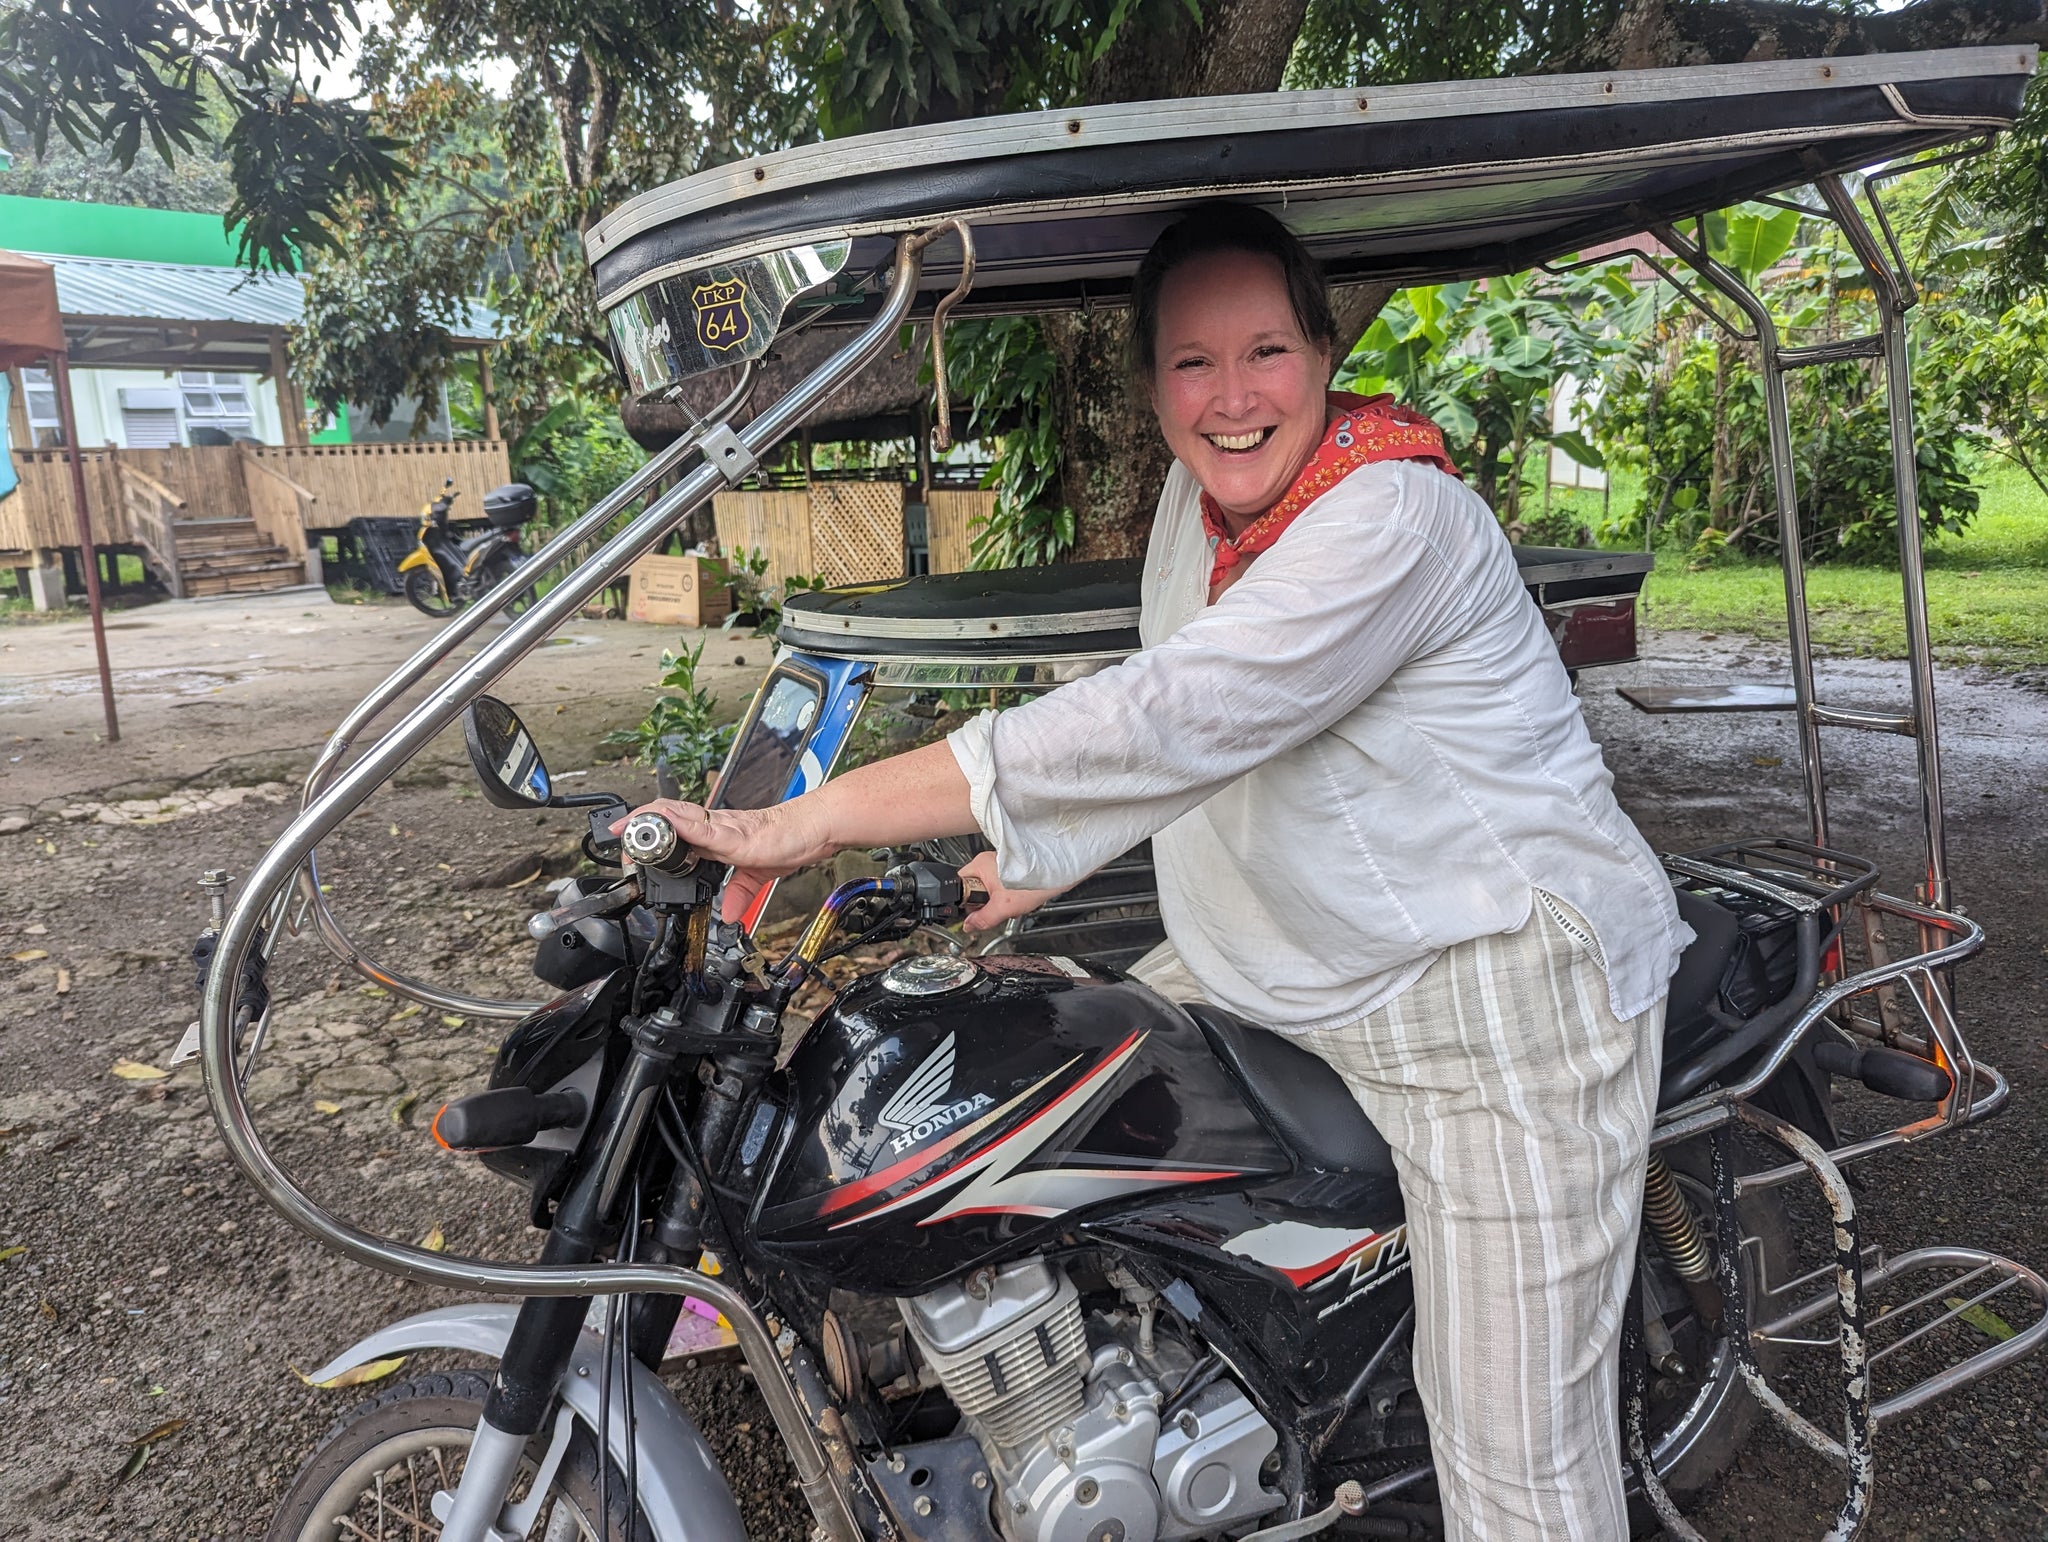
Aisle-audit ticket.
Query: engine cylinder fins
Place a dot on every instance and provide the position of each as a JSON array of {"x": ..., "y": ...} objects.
[{"x": 1009, "y": 1345}]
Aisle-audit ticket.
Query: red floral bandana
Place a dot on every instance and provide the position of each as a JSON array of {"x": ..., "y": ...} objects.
[{"x": 1369, "y": 429}]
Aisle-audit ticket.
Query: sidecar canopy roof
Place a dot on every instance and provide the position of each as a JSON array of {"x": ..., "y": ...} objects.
[{"x": 1406, "y": 184}]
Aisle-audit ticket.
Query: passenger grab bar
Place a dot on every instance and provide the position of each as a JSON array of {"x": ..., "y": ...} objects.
[
  {"x": 461, "y": 626},
  {"x": 324, "y": 811}
]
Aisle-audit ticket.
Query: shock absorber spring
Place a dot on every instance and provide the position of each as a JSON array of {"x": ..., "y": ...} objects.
[{"x": 1671, "y": 1221}]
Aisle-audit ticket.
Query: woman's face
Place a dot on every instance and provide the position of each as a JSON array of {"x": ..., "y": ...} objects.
[{"x": 1238, "y": 389}]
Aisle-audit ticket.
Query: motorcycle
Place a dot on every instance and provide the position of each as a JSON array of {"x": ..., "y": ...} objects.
[
  {"x": 442, "y": 573},
  {"x": 1077, "y": 1261}
]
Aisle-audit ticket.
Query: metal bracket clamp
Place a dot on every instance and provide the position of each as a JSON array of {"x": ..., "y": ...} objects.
[{"x": 726, "y": 453}]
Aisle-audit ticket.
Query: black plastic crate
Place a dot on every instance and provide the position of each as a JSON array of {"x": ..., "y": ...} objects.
[{"x": 371, "y": 549}]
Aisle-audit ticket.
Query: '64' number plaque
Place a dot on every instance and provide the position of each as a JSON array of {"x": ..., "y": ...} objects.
[{"x": 722, "y": 319}]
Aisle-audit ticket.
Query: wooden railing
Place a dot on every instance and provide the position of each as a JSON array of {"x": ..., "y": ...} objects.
[
  {"x": 282, "y": 508},
  {"x": 293, "y": 488},
  {"x": 153, "y": 511}
]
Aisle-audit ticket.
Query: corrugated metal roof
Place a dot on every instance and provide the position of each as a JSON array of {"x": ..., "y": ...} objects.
[{"x": 169, "y": 291}]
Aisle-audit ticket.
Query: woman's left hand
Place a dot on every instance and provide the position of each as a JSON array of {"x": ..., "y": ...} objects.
[{"x": 1003, "y": 904}]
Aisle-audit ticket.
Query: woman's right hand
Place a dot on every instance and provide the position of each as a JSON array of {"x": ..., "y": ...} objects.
[{"x": 759, "y": 844}]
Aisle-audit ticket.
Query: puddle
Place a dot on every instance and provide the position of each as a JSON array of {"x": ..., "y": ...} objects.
[{"x": 168, "y": 681}]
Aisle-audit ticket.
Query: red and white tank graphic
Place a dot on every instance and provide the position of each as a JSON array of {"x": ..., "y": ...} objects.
[{"x": 994, "y": 1179}]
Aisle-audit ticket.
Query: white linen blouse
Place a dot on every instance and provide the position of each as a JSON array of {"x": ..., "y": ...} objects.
[{"x": 1365, "y": 752}]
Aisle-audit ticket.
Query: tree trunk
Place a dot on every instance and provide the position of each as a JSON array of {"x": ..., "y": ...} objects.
[
  {"x": 1113, "y": 461},
  {"x": 1724, "y": 439}
]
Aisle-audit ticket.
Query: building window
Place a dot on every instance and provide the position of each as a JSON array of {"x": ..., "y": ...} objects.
[
  {"x": 39, "y": 400},
  {"x": 218, "y": 400}
]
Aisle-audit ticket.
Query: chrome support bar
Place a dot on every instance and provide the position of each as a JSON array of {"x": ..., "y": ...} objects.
[
  {"x": 1894, "y": 297},
  {"x": 1702, "y": 1113},
  {"x": 1904, "y": 724},
  {"x": 1977, "y": 1264},
  {"x": 281, "y": 863},
  {"x": 1831, "y": 353},
  {"x": 460, "y": 627},
  {"x": 1785, "y": 493}
]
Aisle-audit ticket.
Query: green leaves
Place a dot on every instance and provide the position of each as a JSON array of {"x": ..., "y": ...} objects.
[
  {"x": 1007, "y": 368},
  {"x": 1484, "y": 361},
  {"x": 682, "y": 731},
  {"x": 1752, "y": 239},
  {"x": 117, "y": 73}
]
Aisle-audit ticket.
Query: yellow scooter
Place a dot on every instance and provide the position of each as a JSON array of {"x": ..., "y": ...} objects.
[{"x": 442, "y": 574}]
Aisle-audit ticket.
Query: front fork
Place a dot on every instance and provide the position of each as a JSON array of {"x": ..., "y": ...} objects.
[{"x": 545, "y": 1333}]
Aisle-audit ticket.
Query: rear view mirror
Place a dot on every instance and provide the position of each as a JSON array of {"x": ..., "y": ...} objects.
[{"x": 507, "y": 761}]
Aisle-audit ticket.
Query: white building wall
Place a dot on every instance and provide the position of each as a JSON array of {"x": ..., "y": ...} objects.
[{"x": 96, "y": 397}]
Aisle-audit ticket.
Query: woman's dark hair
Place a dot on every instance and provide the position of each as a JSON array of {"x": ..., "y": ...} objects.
[{"x": 1227, "y": 227}]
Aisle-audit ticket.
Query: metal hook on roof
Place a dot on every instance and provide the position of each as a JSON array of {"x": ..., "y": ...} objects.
[{"x": 942, "y": 425}]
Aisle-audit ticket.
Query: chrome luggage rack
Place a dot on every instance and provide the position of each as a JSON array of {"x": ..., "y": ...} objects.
[{"x": 1868, "y": 1006}]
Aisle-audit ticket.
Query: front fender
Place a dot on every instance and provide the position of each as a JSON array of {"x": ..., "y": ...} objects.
[
  {"x": 682, "y": 1492},
  {"x": 416, "y": 558}
]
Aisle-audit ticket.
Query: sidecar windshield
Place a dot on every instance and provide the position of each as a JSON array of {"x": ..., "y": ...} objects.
[{"x": 771, "y": 741}]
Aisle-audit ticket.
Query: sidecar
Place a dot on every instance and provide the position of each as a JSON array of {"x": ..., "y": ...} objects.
[
  {"x": 960, "y": 638},
  {"x": 865, "y": 237}
]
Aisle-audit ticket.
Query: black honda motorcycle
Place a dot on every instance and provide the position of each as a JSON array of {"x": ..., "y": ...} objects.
[{"x": 1049, "y": 1258}]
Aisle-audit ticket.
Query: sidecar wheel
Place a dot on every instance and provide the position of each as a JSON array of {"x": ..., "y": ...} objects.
[{"x": 376, "y": 1473}]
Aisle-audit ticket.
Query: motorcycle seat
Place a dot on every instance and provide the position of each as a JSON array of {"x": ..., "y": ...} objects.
[{"x": 1302, "y": 1100}]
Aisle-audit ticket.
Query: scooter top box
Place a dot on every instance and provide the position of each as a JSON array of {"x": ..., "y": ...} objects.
[{"x": 510, "y": 506}]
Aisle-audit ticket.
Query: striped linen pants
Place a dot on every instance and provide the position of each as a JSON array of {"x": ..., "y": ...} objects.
[{"x": 1519, "y": 1110}]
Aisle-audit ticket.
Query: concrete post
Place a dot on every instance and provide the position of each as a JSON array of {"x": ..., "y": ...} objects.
[
  {"x": 46, "y": 579},
  {"x": 316, "y": 561}
]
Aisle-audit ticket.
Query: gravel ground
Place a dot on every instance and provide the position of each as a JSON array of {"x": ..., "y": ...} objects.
[{"x": 154, "y": 1287}]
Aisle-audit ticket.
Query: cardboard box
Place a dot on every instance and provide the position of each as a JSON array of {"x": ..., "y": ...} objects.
[{"x": 678, "y": 591}]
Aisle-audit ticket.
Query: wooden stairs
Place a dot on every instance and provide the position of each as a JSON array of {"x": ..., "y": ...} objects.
[{"x": 230, "y": 556}]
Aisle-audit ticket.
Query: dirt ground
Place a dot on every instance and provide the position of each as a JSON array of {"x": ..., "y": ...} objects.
[{"x": 152, "y": 1287}]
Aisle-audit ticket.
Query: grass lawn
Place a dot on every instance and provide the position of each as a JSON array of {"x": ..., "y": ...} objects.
[{"x": 1987, "y": 589}]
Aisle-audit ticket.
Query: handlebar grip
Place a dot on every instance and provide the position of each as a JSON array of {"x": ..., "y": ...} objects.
[
  {"x": 649, "y": 840},
  {"x": 973, "y": 893}
]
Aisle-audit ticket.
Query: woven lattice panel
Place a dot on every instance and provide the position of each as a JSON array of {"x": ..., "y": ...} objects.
[
  {"x": 953, "y": 518},
  {"x": 778, "y": 525},
  {"x": 857, "y": 530}
]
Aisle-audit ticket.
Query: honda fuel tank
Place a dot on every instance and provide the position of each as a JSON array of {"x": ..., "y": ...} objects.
[{"x": 947, "y": 1112}]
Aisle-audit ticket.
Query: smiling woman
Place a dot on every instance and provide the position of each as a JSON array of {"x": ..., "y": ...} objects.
[{"x": 1379, "y": 824}]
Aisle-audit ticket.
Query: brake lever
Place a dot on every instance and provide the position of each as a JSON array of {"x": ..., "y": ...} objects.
[{"x": 546, "y": 923}]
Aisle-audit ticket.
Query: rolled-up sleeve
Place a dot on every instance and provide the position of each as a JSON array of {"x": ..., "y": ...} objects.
[{"x": 1066, "y": 782}]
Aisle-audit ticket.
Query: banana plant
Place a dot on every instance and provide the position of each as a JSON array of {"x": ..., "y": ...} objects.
[{"x": 1484, "y": 360}]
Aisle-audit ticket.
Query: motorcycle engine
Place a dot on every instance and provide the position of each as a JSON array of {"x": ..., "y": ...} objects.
[{"x": 1074, "y": 1435}]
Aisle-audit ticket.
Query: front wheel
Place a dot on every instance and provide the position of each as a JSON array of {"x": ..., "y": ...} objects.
[
  {"x": 376, "y": 1473},
  {"x": 423, "y": 590}
]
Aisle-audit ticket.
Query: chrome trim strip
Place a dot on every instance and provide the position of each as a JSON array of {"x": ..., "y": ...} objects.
[{"x": 1073, "y": 623}]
